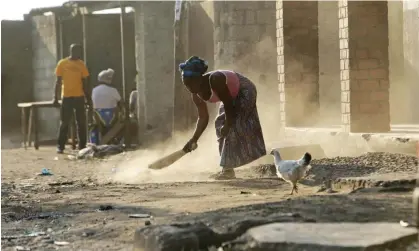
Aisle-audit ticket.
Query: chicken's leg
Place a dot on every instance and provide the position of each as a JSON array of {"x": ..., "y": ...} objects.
[{"x": 294, "y": 188}]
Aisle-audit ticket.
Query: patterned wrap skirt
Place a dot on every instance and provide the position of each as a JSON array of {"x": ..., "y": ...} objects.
[{"x": 244, "y": 142}]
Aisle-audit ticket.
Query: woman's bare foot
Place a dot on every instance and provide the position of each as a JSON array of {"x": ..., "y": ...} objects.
[{"x": 225, "y": 174}]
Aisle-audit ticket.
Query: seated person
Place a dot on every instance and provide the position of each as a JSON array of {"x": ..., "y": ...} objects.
[{"x": 106, "y": 103}]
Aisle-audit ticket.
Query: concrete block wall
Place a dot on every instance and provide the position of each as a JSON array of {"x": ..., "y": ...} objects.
[
  {"x": 245, "y": 41},
  {"x": 364, "y": 66},
  {"x": 411, "y": 55},
  {"x": 329, "y": 69},
  {"x": 298, "y": 68},
  {"x": 45, "y": 58},
  {"x": 16, "y": 71},
  {"x": 104, "y": 48},
  {"x": 245, "y": 37},
  {"x": 154, "y": 43}
]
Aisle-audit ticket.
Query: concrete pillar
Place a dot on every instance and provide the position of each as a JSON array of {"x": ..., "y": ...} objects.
[
  {"x": 298, "y": 65},
  {"x": 364, "y": 65},
  {"x": 154, "y": 49}
]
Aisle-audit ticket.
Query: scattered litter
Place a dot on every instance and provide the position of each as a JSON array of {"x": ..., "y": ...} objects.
[
  {"x": 147, "y": 223},
  {"x": 56, "y": 158},
  {"x": 63, "y": 183},
  {"x": 71, "y": 157},
  {"x": 35, "y": 234},
  {"x": 20, "y": 248},
  {"x": 245, "y": 192},
  {"x": 105, "y": 207},
  {"x": 61, "y": 243},
  {"x": 45, "y": 172},
  {"x": 407, "y": 224},
  {"x": 140, "y": 216}
]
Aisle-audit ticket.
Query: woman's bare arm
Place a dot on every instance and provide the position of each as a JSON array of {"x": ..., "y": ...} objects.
[
  {"x": 218, "y": 83},
  {"x": 203, "y": 117}
]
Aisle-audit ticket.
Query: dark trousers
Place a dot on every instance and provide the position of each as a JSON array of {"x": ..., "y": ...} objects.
[{"x": 68, "y": 107}]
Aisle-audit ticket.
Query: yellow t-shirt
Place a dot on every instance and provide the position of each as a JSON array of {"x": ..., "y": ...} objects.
[{"x": 72, "y": 73}]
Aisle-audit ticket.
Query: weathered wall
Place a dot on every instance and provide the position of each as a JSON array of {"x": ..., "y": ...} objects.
[
  {"x": 399, "y": 89},
  {"x": 44, "y": 60},
  {"x": 411, "y": 54},
  {"x": 245, "y": 41},
  {"x": 155, "y": 66},
  {"x": 245, "y": 37},
  {"x": 298, "y": 67},
  {"x": 16, "y": 70},
  {"x": 104, "y": 48},
  {"x": 329, "y": 71}
]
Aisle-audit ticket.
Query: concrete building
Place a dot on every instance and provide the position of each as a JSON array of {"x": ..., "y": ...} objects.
[{"x": 347, "y": 66}]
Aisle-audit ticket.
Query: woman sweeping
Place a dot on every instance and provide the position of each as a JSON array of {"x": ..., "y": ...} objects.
[{"x": 237, "y": 125}]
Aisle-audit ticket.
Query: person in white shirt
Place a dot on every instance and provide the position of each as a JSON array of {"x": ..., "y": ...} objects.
[{"x": 106, "y": 100}]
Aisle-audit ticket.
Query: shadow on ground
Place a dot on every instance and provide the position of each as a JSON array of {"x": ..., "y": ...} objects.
[{"x": 319, "y": 208}]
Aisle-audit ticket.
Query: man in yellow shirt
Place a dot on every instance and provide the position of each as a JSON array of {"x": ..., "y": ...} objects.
[{"x": 71, "y": 75}]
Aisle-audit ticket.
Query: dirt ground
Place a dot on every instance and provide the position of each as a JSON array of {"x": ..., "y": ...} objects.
[{"x": 88, "y": 203}]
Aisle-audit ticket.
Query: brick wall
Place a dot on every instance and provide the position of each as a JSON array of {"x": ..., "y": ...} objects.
[
  {"x": 298, "y": 68},
  {"x": 154, "y": 60},
  {"x": 16, "y": 71},
  {"x": 45, "y": 56},
  {"x": 364, "y": 66}
]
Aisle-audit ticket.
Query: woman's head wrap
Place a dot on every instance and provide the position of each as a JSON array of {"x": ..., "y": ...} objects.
[
  {"x": 193, "y": 67},
  {"x": 106, "y": 76}
]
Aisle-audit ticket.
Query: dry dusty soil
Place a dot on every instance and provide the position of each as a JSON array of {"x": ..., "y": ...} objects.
[{"x": 86, "y": 204}]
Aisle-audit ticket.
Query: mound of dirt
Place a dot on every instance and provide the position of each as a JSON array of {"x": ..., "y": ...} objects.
[{"x": 339, "y": 167}]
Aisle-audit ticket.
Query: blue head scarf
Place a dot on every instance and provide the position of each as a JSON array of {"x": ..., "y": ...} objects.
[{"x": 193, "y": 67}]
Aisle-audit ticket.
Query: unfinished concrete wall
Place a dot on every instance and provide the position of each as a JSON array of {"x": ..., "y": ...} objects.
[
  {"x": 45, "y": 58},
  {"x": 103, "y": 39},
  {"x": 399, "y": 89},
  {"x": 298, "y": 68},
  {"x": 364, "y": 66},
  {"x": 329, "y": 70},
  {"x": 245, "y": 41},
  {"x": 411, "y": 54},
  {"x": 16, "y": 71},
  {"x": 103, "y": 45},
  {"x": 154, "y": 42},
  {"x": 245, "y": 38}
]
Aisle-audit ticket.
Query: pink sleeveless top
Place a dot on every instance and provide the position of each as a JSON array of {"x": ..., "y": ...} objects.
[{"x": 232, "y": 82}]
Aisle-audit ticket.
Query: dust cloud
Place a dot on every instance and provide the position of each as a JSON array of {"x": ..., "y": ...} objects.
[{"x": 259, "y": 64}]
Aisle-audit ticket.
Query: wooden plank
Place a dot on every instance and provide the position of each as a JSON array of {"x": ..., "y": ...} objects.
[
  {"x": 38, "y": 104},
  {"x": 117, "y": 128}
]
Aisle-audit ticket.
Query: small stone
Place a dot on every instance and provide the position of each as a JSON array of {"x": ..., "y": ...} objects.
[
  {"x": 105, "y": 207},
  {"x": 147, "y": 223},
  {"x": 182, "y": 237},
  {"x": 88, "y": 233}
]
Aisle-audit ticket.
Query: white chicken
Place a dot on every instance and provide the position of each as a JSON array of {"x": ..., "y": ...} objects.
[{"x": 291, "y": 170}]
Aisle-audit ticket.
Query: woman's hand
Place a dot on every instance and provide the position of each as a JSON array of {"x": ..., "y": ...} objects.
[{"x": 190, "y": 146}]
